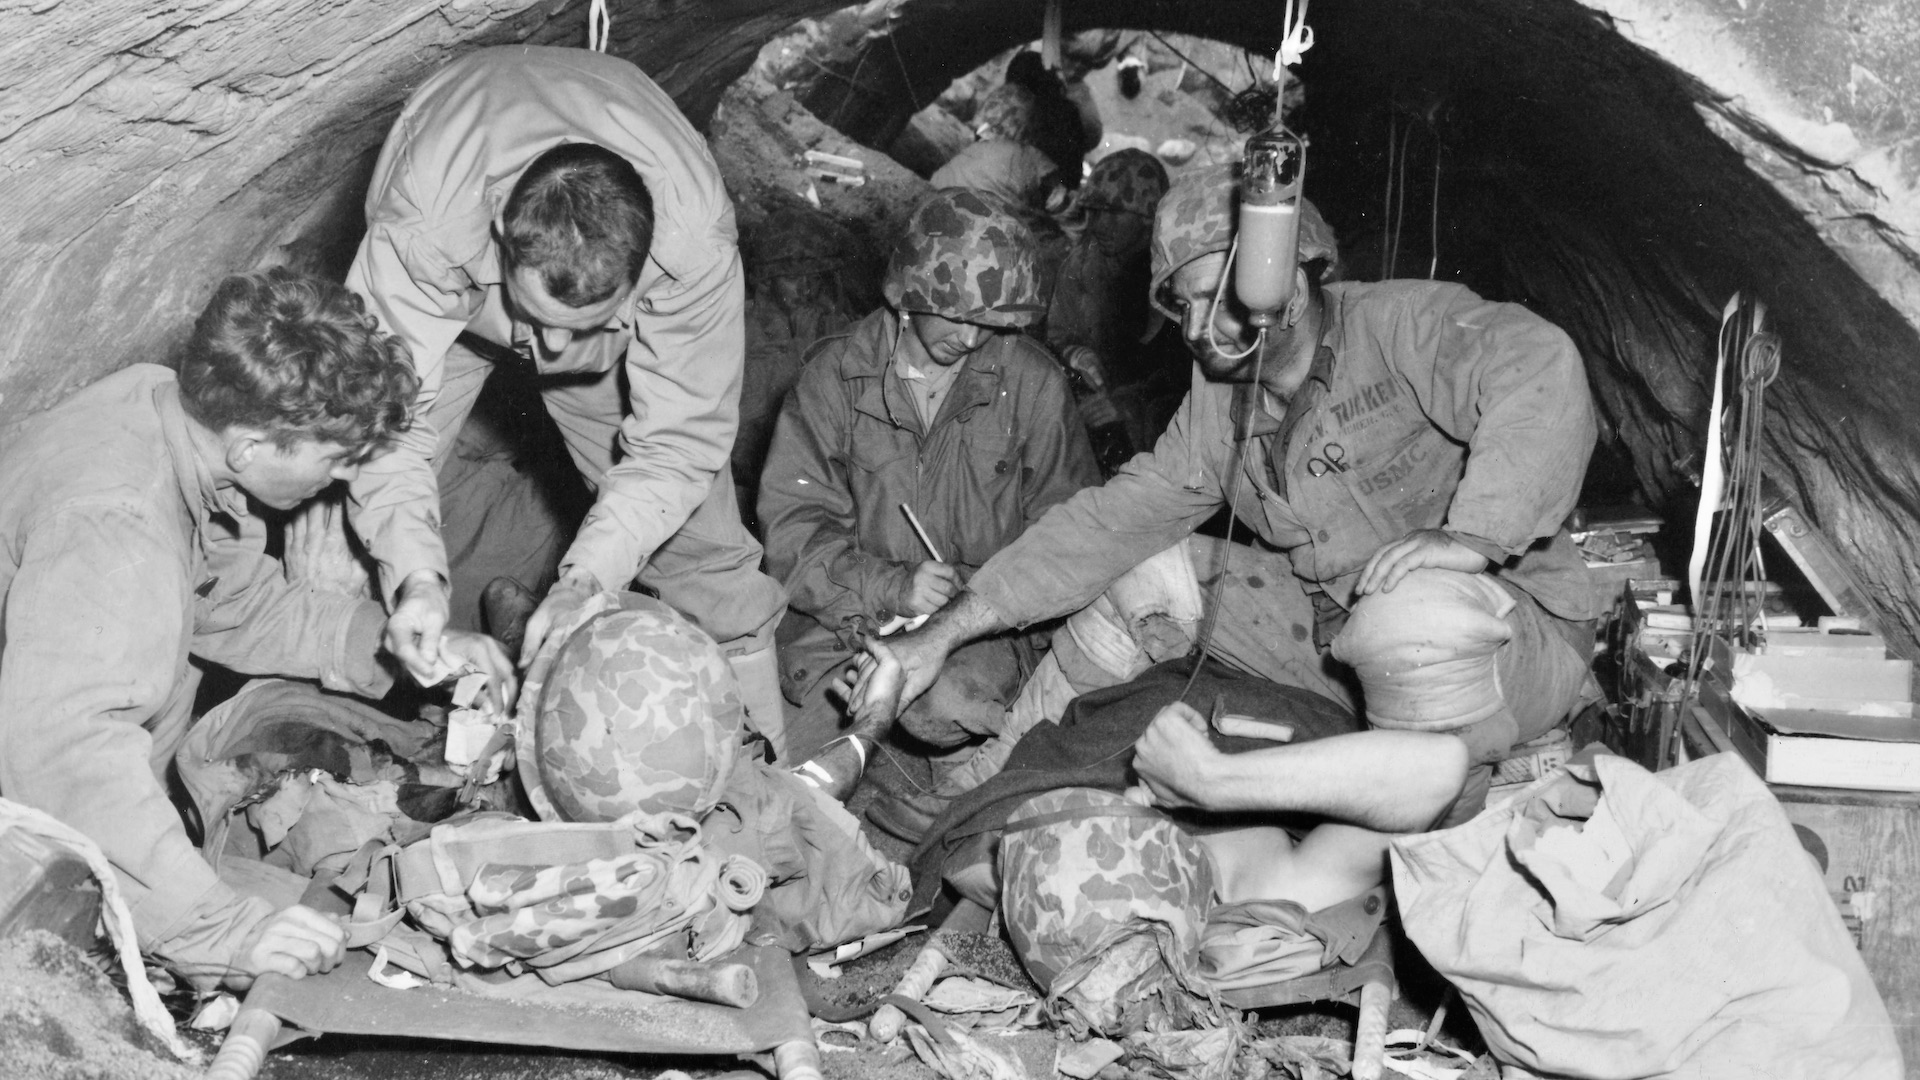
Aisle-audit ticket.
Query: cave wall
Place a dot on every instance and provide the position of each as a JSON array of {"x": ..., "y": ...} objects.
[{"x": 1623, "y": 165}]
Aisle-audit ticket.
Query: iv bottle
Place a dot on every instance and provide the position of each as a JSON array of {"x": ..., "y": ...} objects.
[{"x": 1269, "y": 223}]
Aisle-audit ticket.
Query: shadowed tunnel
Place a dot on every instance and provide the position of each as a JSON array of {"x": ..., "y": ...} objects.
[{"x": 1622, "y": 166}]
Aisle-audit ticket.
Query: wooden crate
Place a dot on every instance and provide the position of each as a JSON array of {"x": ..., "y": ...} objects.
[{"x": 1871, "y": 844}]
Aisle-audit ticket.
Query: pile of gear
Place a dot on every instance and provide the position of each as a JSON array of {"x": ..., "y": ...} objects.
[{"x": 650, "y": 827}]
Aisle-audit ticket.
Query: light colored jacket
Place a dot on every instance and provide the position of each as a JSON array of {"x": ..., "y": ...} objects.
[
  {"x": 1446, "y": 410},
  {"x": 430, "y": 268},
  {"x": 119, "y": 558}
]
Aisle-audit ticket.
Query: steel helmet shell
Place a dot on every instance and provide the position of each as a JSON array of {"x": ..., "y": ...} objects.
[
  {"x": 1196, "y": 218},
  {"x": 965, "y": 256},
  {"x": 1005, "y": 113},
  {"x": 639, "y": 712},
  {"x": 1130, "y": 180},
  {"x": 1084, "y": 870}
]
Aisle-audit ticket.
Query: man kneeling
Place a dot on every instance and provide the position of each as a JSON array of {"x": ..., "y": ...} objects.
[{"x": 128, "y": 544}]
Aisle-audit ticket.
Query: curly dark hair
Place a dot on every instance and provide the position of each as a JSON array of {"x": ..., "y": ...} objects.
[
  {"x": 581, "y": 218},
  {"x": 297, "y": 357}
]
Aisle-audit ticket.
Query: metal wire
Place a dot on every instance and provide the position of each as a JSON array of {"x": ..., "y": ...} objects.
[{"x": 1733, "y": 608}]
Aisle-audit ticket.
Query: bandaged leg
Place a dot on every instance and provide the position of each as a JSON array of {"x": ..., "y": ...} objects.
[
  {"x": 1467, "y": 656},
  {"x": 1150, "y": 613},
  {"x": 1425, "y": 651}
]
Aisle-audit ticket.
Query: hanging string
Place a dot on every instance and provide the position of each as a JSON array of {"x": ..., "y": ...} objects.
[
  {"x": 1050, "y": 36},
  {"x": 1433, "y": 231},
  {"x": 599, "y": 25},
  {"x": 1297, "y": 39},
  {"x": 1387, "y": 202}
]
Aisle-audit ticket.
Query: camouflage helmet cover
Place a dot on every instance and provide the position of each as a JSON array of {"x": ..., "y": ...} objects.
[
  {"x": 1131, "y": 180},
  {"x": 640, "y": 711},
  {"x": 1196, "y": 218},
  {"x": 1090, "y": 879},
  {"x": 965, "y": 257},
  {"x": 1005, "y": 113}
]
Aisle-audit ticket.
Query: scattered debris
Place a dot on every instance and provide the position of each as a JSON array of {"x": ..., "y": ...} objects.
[{"x": 61, "y": 1016}]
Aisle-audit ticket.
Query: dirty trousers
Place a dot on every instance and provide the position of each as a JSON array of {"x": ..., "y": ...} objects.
[
  {"x": 1265, "y": 628},
  {"x": 708, "y": 571}
]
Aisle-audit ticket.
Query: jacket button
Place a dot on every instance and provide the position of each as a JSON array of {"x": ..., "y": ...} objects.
[
  {"x": 1000, "y": 467},
  {"x": 1321, "y": 536},
  {"x": 1372, "y": 905}
]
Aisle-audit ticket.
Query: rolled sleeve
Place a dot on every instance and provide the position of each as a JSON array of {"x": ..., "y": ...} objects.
[{"x": 683, "y": 370}]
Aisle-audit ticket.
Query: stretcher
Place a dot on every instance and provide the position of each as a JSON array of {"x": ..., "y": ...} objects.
[{"x": 776, "y": 1030}]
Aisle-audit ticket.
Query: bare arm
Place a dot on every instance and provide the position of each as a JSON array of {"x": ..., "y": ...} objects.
[{"x": 1389, "y": 781}]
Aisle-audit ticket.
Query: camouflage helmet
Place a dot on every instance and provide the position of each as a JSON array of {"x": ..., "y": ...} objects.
[
  {"x": 639, "y": 711},
  {"x": 1005, "y": 113},
  {"x": 1196, "y": 218},
  {"x": 1101, "y": 891},
  {"x": 1130, "y": 180},
  {"x": 963, "y": 255}
]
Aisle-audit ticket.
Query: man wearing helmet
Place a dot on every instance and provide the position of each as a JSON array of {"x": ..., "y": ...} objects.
[
  {"x": 1413, "y": 450},
  {"x": 937, "y": 402},
  {"x": 552, "y": 210}
]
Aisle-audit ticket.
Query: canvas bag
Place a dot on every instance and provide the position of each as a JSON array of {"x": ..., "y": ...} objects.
[{"x": 1680, "y": 932}]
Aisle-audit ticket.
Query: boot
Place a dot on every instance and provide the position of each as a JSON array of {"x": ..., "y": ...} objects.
[
  {"x": 506, "y": 605},
  {"x": 758, "y": 674}
]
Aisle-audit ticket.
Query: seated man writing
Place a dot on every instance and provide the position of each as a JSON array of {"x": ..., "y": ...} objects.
[
  {"x": 934, "y": 402},
  {"x": 128, "y": 545},
  {"x": 1412, "y": 449}
]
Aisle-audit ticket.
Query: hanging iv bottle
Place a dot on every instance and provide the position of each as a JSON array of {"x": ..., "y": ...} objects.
[{"x": 1272, "y": 170}]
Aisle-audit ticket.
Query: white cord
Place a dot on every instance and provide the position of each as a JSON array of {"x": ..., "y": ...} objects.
[
  {"x": 599, "y": 25},
  {"x": 1298, "y": 39},
  {"x": 1219, "y": 297}
]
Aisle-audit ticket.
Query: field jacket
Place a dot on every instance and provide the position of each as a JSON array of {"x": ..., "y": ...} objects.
[
  {"x": 430, "y": 268},
  {"x": 119, "y": 558},
  {"x": 1426, "y": 408}
]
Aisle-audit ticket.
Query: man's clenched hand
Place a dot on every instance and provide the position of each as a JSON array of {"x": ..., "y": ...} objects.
[
  {"x": 415, "y": 627},
  {"x": 295, "y": 942},
  {"x": 928, "y": 589},
  {"x": 1177, "y": 761}
]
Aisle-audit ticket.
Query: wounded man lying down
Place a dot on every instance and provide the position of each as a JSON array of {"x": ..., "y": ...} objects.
[
  {"x": 1407, "y": 451},
  {"x": 131, "y": 540}
]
